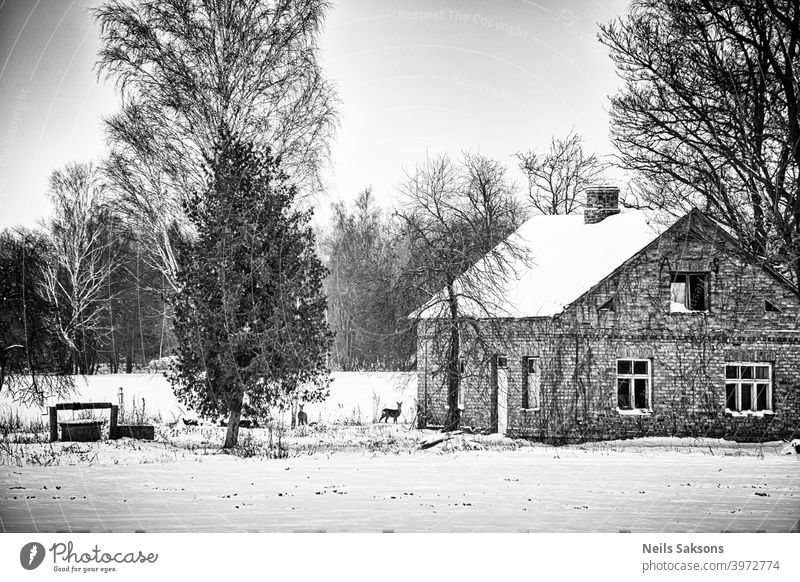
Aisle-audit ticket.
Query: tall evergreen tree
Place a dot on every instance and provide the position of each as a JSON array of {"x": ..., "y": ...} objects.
[{"x": 250, "y": 311}]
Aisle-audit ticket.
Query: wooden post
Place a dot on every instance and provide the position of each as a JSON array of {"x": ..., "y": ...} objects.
[
  {"x": 121, "y": 402},
  {"x": 112, "y": 425},
  {"x": 53, "y": 424}
]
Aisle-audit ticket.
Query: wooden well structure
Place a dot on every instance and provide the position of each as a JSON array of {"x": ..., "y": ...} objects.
[{"x": 112, "y": 427}]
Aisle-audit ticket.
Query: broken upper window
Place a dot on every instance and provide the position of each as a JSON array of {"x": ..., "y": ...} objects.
[
  {"x": 633, "y": 385},
  {"x": 748, "y": 386},
  {"x": 688, "y": 292},
  {"x": 530, "y": 382}
]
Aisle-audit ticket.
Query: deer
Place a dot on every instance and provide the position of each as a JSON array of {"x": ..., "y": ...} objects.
[
  {"x": 302, "y": 417},
  {"x": 391, "y": 413}
]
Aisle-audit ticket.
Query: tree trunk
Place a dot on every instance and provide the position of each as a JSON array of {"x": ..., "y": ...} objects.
[
  {"x": 453, "y": 372},
  {"x": 129, "y": 356},
  {"x": 232, "y": 436}
]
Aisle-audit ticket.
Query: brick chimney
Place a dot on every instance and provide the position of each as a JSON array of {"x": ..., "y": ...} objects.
[{"x": 601, "y": 202}]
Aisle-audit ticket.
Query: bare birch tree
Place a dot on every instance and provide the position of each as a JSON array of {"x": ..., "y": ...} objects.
[
  {"x": 185, "y": 69},
  {"x": 76, "y": 274}
]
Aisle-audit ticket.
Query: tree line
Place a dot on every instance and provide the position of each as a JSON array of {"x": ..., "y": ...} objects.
[{"x": 79, "y": 295}]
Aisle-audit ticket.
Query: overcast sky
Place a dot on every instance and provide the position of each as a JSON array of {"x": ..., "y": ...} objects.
[{"x": 414, "y": 77}]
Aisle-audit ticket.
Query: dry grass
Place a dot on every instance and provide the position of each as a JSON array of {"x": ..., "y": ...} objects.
[{"x": 26, "y": 444}]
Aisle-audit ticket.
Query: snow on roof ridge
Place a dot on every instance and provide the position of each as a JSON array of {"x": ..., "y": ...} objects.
[{"x": 567, "y": 258}]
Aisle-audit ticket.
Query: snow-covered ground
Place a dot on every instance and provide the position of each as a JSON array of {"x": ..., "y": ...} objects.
[
  {"x": 370, "y": 478},
  {"x": 638, "y": 487}
]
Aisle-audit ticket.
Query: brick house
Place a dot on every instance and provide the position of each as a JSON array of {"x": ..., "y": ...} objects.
[{"x": 613, "y": 330}]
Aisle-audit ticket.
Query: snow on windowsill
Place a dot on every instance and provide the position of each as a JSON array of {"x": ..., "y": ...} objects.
[
  {"x": 677, "y": 308},
  {"x": 745, "y": 413},
  {"x": 634, "y": 412},
  {"x": 523, "y": 409}
]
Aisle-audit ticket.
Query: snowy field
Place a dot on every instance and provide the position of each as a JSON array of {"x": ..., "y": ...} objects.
[
  {"x": 349, "y": 474},
  {"x": 596, "y": 488}
]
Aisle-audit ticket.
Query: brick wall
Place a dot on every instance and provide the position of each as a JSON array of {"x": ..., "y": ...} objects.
[{"x": 688, "y": 351}]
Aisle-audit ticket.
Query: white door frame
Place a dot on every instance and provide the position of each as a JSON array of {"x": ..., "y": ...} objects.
[{"x": 502, "y": 399}]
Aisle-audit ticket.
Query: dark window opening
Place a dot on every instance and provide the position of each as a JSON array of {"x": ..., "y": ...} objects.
[
  {"x": 761, "y": 396},
  {"x": 623, "y": 393},
  {"x": 640, "y": 393},
  {"x": 608, "y": 306},
  {"x": 730, "y": 396},
  {"x": 502, "y": 362},
  {"x": 744, "y": 402},
  {"x": 530, "y": 382},
  {"x": 770, "y": 307},
  {"x": 689, "y": 292}
]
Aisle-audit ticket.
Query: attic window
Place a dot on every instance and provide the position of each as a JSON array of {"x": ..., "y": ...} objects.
[
  {"x": 502, "y": 362},
  {"x": 609, "y": 305},
  {"x": 688, "y": 292},
  {"x": 770, "y": 307}
]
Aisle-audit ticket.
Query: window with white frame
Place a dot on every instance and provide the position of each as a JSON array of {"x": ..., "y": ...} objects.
[
  {"x": 748, "y": 386},
  {"x": 633, "y": 384},
  {"x": 688, "y": 292},
  {"x": 531, "y": 383}
]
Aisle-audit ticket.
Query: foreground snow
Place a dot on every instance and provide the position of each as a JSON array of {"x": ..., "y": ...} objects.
[
  {"x": 639, "y": 486},
  {"x": 348, "y": 474}
]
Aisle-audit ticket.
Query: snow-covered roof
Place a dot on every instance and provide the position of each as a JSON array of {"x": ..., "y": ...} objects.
[{"x": 565, "y": 259}]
